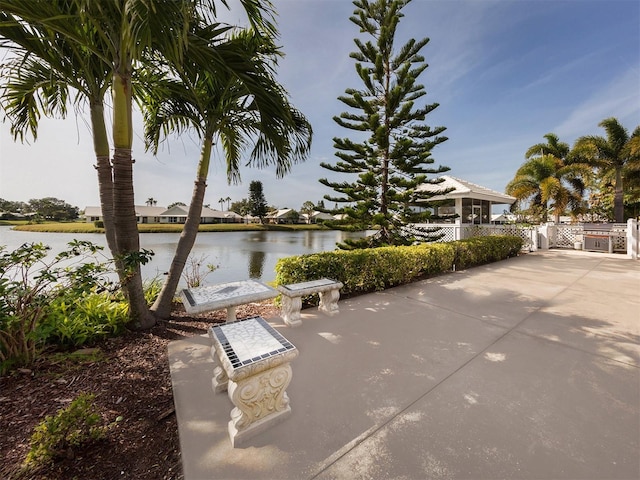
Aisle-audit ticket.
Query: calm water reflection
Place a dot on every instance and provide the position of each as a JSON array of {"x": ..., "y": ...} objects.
[{"x": 238, "y": 255}]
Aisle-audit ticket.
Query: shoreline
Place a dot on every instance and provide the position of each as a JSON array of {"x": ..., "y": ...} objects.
[{"x": 82, "y": 227}]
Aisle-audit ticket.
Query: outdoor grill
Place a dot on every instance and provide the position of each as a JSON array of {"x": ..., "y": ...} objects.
[{"x": 597, "y": 237}]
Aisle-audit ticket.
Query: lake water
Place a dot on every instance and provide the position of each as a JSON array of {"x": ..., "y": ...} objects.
[{"x": 238, "y": 255}]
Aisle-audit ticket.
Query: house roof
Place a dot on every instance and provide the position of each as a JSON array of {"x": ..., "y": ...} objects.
[
  {"x": 283, "y": 212},
  {"x": 147, "y": 211},
  {"x": 464, "y": 189},
  {"x": 318, "y": 215}
]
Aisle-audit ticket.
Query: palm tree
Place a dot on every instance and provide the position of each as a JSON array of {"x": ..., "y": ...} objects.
[
  {"x": 246, "y": 110},
  {"x": 546, "y": 178},
  {"x": 228, "y": 200},
  {"x": 553, "y": 147},
  {"x": 614, "y": 157},
  {"x": 221, "y": 202},
  {"x": 113, "y": 35},
  {"x": 151, "y": 202},
  {"x": 37, "y": 78}
]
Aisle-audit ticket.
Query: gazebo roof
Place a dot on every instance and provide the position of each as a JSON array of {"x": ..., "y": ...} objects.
[{"x": 465, "y": 189}]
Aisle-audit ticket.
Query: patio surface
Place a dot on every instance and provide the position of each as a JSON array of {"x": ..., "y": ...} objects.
[{"x": 525, "y": 368}]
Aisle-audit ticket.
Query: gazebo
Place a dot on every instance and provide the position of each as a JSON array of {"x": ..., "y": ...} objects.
[{"x": 470, "y": 202}]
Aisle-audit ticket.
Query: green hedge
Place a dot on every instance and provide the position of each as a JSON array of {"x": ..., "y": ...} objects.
[
  {"x": 372, "y": 269},
  {"x": 481, "y": 250}
]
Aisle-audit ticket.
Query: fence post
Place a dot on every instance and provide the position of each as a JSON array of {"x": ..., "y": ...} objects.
[
  {"x": 543, "y": 231},
  {"x": 632, "y": 239},
  {"x": 533, "y": 236}
]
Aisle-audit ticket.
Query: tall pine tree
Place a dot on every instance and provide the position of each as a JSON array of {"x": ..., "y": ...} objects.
[
  {"x": 257, "y": 202},
  {"x": 395, "y": 158}
]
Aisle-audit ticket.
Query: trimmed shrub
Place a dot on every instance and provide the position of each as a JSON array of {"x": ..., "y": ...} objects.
[
  {"x": 374, "y": 269},
  {"x": 480, "y": 250}
]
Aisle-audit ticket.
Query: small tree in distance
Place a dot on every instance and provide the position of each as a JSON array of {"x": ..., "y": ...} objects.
[
  {"x": 241, "y": 207},
  {"x": 257, "y": 202}
]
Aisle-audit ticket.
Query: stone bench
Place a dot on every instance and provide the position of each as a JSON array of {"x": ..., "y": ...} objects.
[
  {"x": 225, "y": 295},
  {"x": 327, "y": 289},
  {"x": 252, "y": 365}
]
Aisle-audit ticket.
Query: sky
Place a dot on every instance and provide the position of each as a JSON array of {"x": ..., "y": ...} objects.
[{"x": 504, "y": 73}]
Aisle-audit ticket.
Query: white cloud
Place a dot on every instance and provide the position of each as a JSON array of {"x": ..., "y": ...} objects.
[{"x": 620, "y": 99}]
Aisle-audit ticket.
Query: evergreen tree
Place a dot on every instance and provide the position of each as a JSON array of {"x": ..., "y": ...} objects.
[
  {"x": 394, "y": 160},
  {"x": 257, "y": 202}
]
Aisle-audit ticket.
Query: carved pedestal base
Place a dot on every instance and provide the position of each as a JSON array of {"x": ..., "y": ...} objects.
[
  {"x": 260, "y": 402},
  {"x": 252, "y": 364},
  {"x": 329, "y": 302},
  {"x": 290, "y": 311},
  {"x": 231, "y": 314},
  {"x": 220, "y": 379},
  {"x": 292, "y": 295}
]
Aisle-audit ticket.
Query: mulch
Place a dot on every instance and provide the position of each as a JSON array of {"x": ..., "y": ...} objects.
[{"x": 129, "y": 376}]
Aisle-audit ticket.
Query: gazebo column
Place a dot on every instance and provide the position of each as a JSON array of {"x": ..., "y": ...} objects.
[{"x": 458, "y": 228}]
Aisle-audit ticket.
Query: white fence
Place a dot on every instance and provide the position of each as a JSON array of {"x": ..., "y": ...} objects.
[
  {"x": 621, "y": 237},
  {"x": 451, "y": 232}
]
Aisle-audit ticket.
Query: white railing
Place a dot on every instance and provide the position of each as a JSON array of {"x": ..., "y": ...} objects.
[
  {"x": 566, "y": 236},
  {"x": 451, "y": 232},
  {"x": 623, "y": 237}
]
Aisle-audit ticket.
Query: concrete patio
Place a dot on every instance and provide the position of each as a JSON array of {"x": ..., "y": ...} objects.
[{"x": 525, "y": 368}]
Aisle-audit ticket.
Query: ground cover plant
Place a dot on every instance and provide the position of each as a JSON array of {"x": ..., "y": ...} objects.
[
  {"x": 129, "y": 376},
  {"x": 37, "y": 292}
]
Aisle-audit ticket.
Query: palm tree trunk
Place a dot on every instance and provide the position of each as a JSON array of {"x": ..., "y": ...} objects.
[
  {"x": 105, "y": 174},
  {"x": 618, "y": 199},
  {"x": 125, "y": 222},
  {"x": 162, "y": 305}
]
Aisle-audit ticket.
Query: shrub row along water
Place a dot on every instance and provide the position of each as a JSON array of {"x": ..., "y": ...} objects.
[{"x": 374, "y": 269}]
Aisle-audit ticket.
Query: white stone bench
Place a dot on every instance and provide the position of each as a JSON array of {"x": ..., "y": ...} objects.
[
  {"x": 225, "y": 295},
  {"x": 252, "y": 365},
  {"x": 327, "y": 289}
]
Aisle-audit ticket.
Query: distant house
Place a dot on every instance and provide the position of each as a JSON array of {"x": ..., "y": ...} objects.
[
  {"x": 466, "y": 202},
  {"x": 177, "y": 214},
  {"x": 284, "y": 215},
  {"x": 503, "y": 218},
  {"x": 315, "y": 217}
]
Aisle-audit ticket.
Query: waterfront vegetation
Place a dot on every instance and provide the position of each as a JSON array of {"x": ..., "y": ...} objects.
[
  {"x": 85, "y": 227},
  {"x": 372, "y": 269}
]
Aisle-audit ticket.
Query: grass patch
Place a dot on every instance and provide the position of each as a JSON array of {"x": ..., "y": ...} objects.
[
  {"x": 81, "y": 356},
  {"x": 86, "y": 227},
  {"x": 13, "y": 222},
  {"x": 59, "y": 227}
]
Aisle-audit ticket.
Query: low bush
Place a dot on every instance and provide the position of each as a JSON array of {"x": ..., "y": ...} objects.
[
  {"x": 80, "y": 320},
  {"x": 373, "y": 269},
  {"x": 51, "y": 298},
  {"x": 58, "y": 435}
]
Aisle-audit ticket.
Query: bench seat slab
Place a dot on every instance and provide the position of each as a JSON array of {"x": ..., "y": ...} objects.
[{"x": 225, "y": 295}]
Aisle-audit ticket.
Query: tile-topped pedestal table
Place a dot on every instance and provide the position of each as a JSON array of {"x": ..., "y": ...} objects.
[
  {"x": 225, "y": 295},
  {"x": 252, "y": 364}
]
